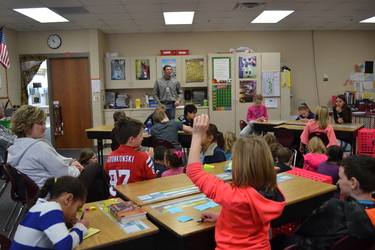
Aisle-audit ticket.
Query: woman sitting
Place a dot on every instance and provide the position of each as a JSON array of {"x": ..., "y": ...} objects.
[{"x": 35, "y": 156}]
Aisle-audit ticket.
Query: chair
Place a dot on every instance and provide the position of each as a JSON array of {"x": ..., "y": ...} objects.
[
  {"x": 243, "y": 124},
  {"x": 348, "y": 243},
  {"x": 5, "y": 242},
  {"x": 320, "y": 135},
  {"x": 162, "y": 142},
  {"x": 4, "y": 175},
  {"x": 284, "y": 136},
  {"x": 23, "y": 191}
]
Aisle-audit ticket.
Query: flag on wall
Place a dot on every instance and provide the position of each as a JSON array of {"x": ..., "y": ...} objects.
[{"x": 4, "y": 57}]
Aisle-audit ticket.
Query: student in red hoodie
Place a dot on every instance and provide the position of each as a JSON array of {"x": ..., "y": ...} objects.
[{"x": 250, "y": 202}]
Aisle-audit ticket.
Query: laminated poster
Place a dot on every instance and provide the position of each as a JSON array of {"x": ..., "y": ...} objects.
[
  {"x": 247, "y": 66},
  {"x": 247, "y": 91},
  {"x": 194, "y": 69}
]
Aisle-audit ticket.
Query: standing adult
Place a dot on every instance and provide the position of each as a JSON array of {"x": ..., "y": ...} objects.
[{"x": 168, "y": 91}]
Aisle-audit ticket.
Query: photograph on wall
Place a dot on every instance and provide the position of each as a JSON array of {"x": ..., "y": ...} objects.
[
  {"x": 194, "y": 69},
  {"x": 247, "y": 91},
  {"x": 118, "y": 69},
  {"x": 247, "y": 66},
  {"x": 172, "y": 63},
  {"x": 142, "y": 69}
]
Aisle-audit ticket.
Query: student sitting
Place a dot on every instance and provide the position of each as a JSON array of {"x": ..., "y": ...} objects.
[
  {"x": 305, "y": 113},
  {"x": 331, "y": 166},
  {"x": 284, "y": 159},
  {"x": 159, "y": 160},
  {"x": 212, "y": 146},
  {"x": 274, "y": 147},
  {"x": 353, "y": 215},
  {"x": 87, "y": 156},
  {"x": 159, "y": 107},
  {"x": 250, "y": 202},
  {"x": 270, "y": 138},
  {"x": 173, "y": 161},
  {"x": 45, "y": 224},
  {"x": 116, "y": 116},
  {"x": 168, "y": 129},
  {"x": 229, "y": 139},
  {"x": 187, "y": 118},
  {"x": 126, "y": 164},
  {"x": 317, "y": 154}
]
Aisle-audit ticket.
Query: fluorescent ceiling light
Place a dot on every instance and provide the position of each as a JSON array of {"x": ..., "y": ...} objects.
[
  {"x": 42, "y": 15},
  {"x": 272, "y": 16},
  {"x": 369, "y": 20},
  {"x": 183, "y": 17}
]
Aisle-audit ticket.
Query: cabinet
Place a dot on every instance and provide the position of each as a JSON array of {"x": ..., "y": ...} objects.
[
  {"x": 233, "y": 81},
  {"x": 130, "y": 72},
  {"x": 190, "y": 71}
]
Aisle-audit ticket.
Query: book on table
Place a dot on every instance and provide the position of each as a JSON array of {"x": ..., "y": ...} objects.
[{"x": 127, "y": 211}]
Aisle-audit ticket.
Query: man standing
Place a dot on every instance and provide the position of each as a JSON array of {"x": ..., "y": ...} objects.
[{"x": 168, "y": 91}]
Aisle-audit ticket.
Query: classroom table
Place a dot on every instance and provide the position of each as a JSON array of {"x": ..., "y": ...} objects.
[
  {"x": 302, "y": 196},
  {"x": 267, "y": 126},
  {"x": 103, "y": 132},
  {"x": 112, "y": 236},
  {"x": 174, "y": 234},
  {"x": 346, "y": 132}
]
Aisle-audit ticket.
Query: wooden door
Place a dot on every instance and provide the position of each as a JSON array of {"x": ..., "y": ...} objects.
[{"x": 71, "y": 87}]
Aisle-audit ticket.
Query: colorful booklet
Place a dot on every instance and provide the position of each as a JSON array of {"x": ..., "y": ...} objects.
[{"x": 127, "y": 211}]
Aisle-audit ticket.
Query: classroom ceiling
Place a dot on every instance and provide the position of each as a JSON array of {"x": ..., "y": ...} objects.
[{"x": 146, "y": 16}]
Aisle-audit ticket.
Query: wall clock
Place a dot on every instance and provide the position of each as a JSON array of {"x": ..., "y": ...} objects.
[{"x": 54, "y": 41}]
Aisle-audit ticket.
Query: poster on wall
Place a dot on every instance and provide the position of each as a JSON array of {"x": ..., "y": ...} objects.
[
  {"x": 194, "y": 69},
  {"x": 142, "y": 69},
  {"x": 221, "y": 69},
  {"x": 221, "y": 97},
  {"x": 271, "y": 83},
  {"x": 247, "y": 91},
  {"x": 247, "y": 66},
  {"x": 172, "y": 63},
  {"x": 118, "y": 69}
]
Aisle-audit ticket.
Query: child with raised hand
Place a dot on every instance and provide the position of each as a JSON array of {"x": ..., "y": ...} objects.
[
  {"x": 305, "y": 113},
  {"x": 331, "y": 166},
  {"x": 255, "y": 113},
  {"x": 44, "y": 226},
  {"x": 87, "y": 156},
  {"x": 229, "y": 139},
  {"x": 250, "y": 202},
  {"x": 212, "y": 143},
  {"x": 173, "y": 161},
  {"x": 317, "y": 154}
]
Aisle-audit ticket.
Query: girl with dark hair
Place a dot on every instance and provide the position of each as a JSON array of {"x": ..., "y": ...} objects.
[
  {"x": 341, "y": 112},
  {"x": 212, "y": 146}
]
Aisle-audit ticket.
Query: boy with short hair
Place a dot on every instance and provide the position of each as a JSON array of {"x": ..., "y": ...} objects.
[
  {"x": 187, "y": 118},
  {"x": 159, "y": 155},
  {"x": 284, "y": 159},
  {"x": 168, "y": 129},
  {"x": 353, "y": 215},
  {"x": 126, "y": 164},
  {"x": 159, "y": 107}
]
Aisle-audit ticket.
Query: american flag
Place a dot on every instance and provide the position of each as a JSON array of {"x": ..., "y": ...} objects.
[{"x": 4, "y": 57}]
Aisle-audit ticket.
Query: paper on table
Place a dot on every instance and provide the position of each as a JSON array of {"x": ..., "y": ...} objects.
[{"x": 91, "y": 231}]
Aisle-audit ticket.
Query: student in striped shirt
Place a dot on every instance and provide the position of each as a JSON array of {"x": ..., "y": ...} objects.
[{"x": 45, "y": 224}]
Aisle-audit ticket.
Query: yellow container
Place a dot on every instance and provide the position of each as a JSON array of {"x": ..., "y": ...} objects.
[{"x": 137, "y": 103}]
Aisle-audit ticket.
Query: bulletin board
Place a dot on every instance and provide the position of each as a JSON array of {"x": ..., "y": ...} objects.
[{"x": 221, "y": 84}]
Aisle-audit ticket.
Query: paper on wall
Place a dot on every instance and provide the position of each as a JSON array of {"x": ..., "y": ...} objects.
[
  {"x": 358, "y": 86},
  {"x": 359, "y": 77},
  {"x": 368, "y": 85}
]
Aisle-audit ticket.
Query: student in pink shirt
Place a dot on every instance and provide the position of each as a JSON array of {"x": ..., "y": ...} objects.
[
  {"x": 173, "y": 161},
  {"x": 316, "y": 155},
  {"x": 255, "y": 113}
]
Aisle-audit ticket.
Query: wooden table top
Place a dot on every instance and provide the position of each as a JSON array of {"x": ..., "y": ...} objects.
[
  {"x": 110, "y": 233},
  {"x": 169, "y": 221},
  {"x": 300, "y": 188},
  {"x": 271, "y": 122},
  {"x": 108, "y": 128},
  {"x": 347, "y": 127}
]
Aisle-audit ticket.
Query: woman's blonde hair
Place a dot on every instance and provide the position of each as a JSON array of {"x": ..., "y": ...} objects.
[
  {"x": 86, "y": 154},
  {"x": 321, "y": 117},
  {"x": 252, "y": 164},
  {"x": 24, "y": 119},
  {"x": 258, "y": 97},
  {"x": 316, "y": 146},
  {"x": 229, "y": 139}
]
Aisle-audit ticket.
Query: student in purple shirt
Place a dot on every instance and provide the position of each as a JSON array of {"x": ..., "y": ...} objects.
[
  {"x": 331, "y": 166},
  {"x": 305, "y": 113}
]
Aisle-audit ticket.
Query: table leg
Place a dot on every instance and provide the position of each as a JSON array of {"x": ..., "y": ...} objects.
[{"x": 100, "y": 151}]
